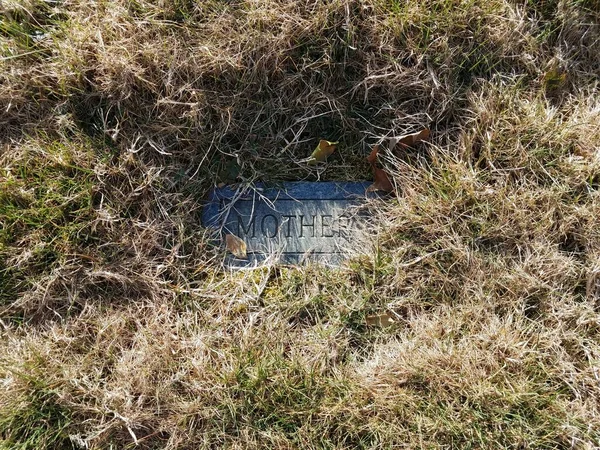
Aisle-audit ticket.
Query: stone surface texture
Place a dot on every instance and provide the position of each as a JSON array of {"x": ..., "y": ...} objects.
[{"x": 292, "y": 222}]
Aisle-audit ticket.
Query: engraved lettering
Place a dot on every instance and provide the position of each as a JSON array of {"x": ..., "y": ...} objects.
[
  {"x": 344, "y": 226},
  {"x": 288, "y": 231},
  {"x": 311, "y": 226},
  {"x": 344, "y": 222},
  {"x": 265, "y": 228},
  {"x": 246, "y": 230},
  {"x": 326, "y": 226}
]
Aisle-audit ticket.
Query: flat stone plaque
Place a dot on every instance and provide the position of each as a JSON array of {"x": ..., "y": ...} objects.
[{"x": 293, "y": 222}]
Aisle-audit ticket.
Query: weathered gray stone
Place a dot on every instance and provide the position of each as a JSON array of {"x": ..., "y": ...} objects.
[{"x": 293, "y": 222}]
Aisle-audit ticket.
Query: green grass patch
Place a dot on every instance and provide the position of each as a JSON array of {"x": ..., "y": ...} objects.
[{"x": 37, "y": 418}]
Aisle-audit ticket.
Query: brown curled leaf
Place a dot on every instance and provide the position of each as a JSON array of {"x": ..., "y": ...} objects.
[
  {"x": 409, "y": 140},
  {"x": 381, "y": 181},
  {"x": 372, "y": 158}
]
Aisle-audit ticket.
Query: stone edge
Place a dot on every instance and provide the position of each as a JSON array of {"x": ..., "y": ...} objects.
[{"x": 290, "y": 190}]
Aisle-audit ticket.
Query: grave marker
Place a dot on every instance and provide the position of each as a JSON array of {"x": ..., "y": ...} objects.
[{"x": 296, "y": 220}]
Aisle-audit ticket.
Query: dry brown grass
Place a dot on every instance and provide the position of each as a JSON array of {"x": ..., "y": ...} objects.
[{"x": 121, "y": 330}]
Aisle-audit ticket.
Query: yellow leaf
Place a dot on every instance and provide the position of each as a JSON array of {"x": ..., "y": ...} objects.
[
  {"x": 380, "y": 320},
  {"x": 236, "y": 246},
  {"x": 323, "y": 150}
]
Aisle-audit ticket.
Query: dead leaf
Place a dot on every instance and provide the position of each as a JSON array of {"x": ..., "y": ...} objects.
[
  {"x": 554, "y": 79},
  {"x": 381, "y": 181},
  {"x": 380, "y": 320},
  {"x": 372, "y": 158},
  {"x": 236, "y": 246},
  {"x": 409, "y": 140},
  {"x": 323, "y": 150}
]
